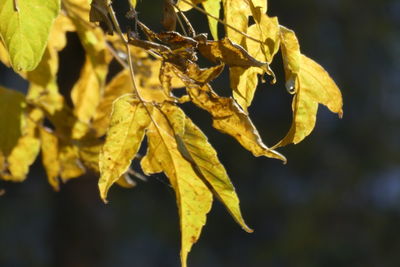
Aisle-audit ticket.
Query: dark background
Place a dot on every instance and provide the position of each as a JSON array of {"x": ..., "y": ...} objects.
[{"x": 336, "y": 202}]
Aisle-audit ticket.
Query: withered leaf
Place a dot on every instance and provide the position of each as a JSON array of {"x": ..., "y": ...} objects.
[
  {"x": 231, "y": 54},
  {"x": 99, "y": 13},
  {"x": 229, "y": 118}
]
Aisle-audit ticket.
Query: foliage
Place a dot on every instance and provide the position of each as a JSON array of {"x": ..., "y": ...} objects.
[{"x": 108, "y": 122}]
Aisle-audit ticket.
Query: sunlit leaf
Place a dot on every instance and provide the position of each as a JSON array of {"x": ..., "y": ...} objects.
[
  {"x": 244, "y": 83},
  {"x": 70, "y": 164},
  {"x": 313, "y": 86},
  {"x": 230, "y": 119},
  {"x": 291, "y": 57},
  {"x": 193, "y": 197},
  {"x": 267, "y": 31},
  {"x": 195, "y": 148},
  {"x": 236, "y": 14},
  {"x": 212, "y": 7},
  {"x": 185, "y": 6},
  {"x": 86, "y": 93},
  {"x": 4, "y": 57},
  {"x": 129, "y": 119},
  {"x": 24, "y": 28}
]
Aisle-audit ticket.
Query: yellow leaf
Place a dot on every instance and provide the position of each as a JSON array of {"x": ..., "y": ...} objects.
[
  {"x": 4, "y": 57},
  {"x": 49, "y": 147},
  {"x": 193, "y": 197},
  {"x": 70, "y": 164},
  {"x": 268, "y": 32},
  {"x": 261, "y": 5},
  {"x": 194, "y": 147},
  {"x": 27, "y": 149},
  {"x": 291, "y": 57},
  {"x": 236, "y": 14},
  {"x": 184, "y": 6},
  {"x": 213, "y": 7},
  {"x": 129, "y": 120},
  {"x": 12, "y": 107},
  {"x": 313, "y": 86},
  {"x": 118, "y": 86},
  {"x": 86, "y": 93},
  {"x": 230, "y": 119},
  {"x": 92, "y": 38},
  {"x": 244, "y": 83},
  {"x": 22, "y": 157},
  {"x": 133, "y": 3}
]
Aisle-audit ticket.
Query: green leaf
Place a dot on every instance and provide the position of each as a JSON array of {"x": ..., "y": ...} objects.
[
  {"x": 129, "y": 119},
  {"x": 25, "y": 27},
  {"x": 229, "y": 118}
]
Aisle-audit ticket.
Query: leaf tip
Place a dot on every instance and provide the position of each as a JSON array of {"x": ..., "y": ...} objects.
[{"x": 340, "y": 114}]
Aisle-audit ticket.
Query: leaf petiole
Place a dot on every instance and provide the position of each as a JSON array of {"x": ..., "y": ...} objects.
[{"x": 16, "y": 8}]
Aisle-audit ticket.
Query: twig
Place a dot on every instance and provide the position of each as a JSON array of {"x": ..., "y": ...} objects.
[{"x": 221, "y": 21}]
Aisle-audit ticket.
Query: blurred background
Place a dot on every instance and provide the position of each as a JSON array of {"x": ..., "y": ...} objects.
[{"x": 336, "y": 202}]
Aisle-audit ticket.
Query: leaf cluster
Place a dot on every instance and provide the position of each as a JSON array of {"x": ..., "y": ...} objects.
[{"x": 108, "y": 121}]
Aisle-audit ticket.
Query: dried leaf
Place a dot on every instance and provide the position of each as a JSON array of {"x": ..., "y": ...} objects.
[
  {"x": 99, "y": 13},
  {"x": 230, "y": 119},
  {"x": 231, "y": 54},
  {"x": 169, "y": 16},
  {"x": 129, "y": 120}
]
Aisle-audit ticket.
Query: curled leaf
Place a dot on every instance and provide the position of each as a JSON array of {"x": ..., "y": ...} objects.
[
  {"x": 231, "y": 54},
  {"x": 314, "y": 86},
  {"x": 230, "y": 119}
]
